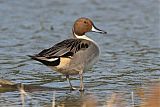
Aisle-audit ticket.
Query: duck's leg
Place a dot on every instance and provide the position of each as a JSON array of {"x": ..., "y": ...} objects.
[
  {"x": 81, "y": 82},
  {"x": 71, "y": 87}
]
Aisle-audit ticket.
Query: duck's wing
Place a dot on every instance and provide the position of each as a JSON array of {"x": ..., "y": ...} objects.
[{"x": 66, "y": 48}]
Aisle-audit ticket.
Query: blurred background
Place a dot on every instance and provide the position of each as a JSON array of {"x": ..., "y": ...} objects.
[{"x": 130, "y": 53}]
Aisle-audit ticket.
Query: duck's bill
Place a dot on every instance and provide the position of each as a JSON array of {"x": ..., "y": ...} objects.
[{"x": 94, "y": 29}]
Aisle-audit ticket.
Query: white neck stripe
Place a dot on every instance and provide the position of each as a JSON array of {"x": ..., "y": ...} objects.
[{"x": 82, "y": 37}]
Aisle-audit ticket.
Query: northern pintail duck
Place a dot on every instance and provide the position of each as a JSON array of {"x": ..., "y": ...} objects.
[{"x": 73, "y": 56}]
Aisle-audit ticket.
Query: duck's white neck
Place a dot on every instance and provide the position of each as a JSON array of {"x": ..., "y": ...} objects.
[{"x": 82, "y": 37}]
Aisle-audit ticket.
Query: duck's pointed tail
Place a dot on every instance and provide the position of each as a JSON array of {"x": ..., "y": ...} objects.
[{"x": 54, "y": 61}]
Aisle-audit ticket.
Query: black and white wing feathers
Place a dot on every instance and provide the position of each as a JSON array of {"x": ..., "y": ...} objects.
[{"x": 66, "y": 48}]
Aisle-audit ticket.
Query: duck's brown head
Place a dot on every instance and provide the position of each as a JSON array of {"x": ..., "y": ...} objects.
[{"x": 84, "y": 25}]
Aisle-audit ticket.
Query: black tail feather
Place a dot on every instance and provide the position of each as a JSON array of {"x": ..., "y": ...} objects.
[
  {"x": 32, "y": 56},
  {"x": 45, "y": 62}
]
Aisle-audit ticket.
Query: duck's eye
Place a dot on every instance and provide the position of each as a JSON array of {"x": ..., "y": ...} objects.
[{"x": 85, "y": 22}]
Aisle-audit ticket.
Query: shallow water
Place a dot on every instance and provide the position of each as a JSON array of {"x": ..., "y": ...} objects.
[{"x": 130, "y": 53}]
